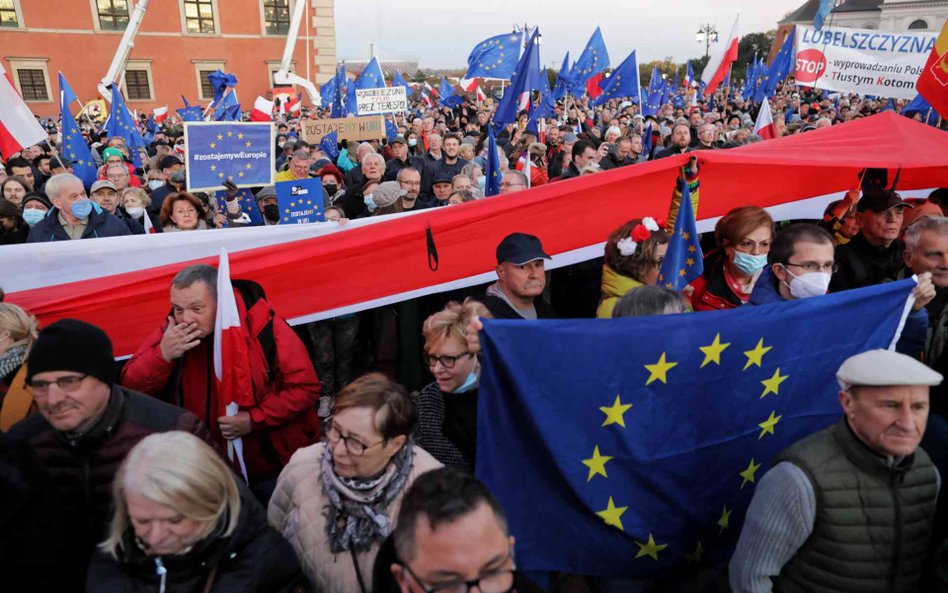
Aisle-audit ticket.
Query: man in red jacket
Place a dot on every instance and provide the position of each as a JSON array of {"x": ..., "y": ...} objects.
[{"x": 176, "y": 364}]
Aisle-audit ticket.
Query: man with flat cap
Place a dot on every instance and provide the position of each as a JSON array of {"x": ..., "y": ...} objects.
[
  {"x": 521, "y": 278},
  {"x": 849, "y": 508}
]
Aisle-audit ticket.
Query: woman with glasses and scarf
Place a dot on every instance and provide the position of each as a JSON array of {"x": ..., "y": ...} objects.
[
  {"x": 336, "y": 502},
  {"x": 447, "y": 407}
]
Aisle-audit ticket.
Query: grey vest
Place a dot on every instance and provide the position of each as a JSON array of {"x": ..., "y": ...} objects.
[{"x": 873, "y": 522}]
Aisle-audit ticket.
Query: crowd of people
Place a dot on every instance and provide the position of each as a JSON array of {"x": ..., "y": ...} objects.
[{"x": 358, "y": 442}]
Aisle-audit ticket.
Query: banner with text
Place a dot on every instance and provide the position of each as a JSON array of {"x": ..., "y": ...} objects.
[
  {"x": 391, "y": 99},
  {"x": 221, "y": 151},
  {"x": 301, "y": 201},
  {"x": 864, "y": 61},
  {"x": 369, "y": 127}
]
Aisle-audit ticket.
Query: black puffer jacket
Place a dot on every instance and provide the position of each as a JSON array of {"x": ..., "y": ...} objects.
[{"x": 254, "y": 559}]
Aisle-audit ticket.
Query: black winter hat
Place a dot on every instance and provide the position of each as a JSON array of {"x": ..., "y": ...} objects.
[{"x": 72, "y": 345}]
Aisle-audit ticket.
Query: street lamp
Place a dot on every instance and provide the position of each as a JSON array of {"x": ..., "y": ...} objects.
[{"x": 707, "y": 34}]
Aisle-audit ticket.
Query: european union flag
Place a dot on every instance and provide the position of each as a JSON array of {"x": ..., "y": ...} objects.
[
  {"x": 653, "y": 103},
  {"x": 399, "y": 81},
  {"x": 633, "y": 446},
  {"x": 823, "y": 11},
  {"x": 67, "y": 94},
  {"x": 228, "y": 109},
  {"x": 121, "y": 124},
  {"x": 525, "y": 79},
  {"x": 647, "y": 140},
  {"x": 623, "y": 82},
  {"x": 492, "y": 174},
  {"x": 327, "y": 92},
  {"x": 592, "y": 61},
  {"x": 338, "y": 100},
  {"x": 690, "y": 77},
  {"x": 391, "y": 130},
  {"x": 220, "y": 151},
  {"x": 929, "y": 115},
  {"x": 190, "y": 112},
  {"x": 151, "y": 128},
  {"x": 371, "y": 77},
  {"x": 220, "y": 80},
  {"x": 448, "y": 96},
  {"x": 495, "y": 57},
  {"x": 678, "y": 102},
  {"x": 74, "y": 146},
  {"x": 781, "y": 67},
  {"x": 547, "y": 106},
  {"x": 330, "y": 145},
  {"x": 561, "y": 88},
  {"x": 248, "y": 204},
  {"x": 352, "y": 107},
  {"x": 683, "y": 261},
  {"x": 300, "y": 201}
]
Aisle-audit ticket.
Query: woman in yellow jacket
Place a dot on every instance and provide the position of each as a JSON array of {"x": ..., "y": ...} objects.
[
  {"x": 633, "y": 256},
  {"x": 18, "y": 329}
]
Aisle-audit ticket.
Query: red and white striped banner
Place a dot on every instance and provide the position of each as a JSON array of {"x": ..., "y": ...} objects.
[{"x": 322, "y": 270}]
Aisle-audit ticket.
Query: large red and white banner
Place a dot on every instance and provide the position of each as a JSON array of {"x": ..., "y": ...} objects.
[{"x": 322, "y": 270}]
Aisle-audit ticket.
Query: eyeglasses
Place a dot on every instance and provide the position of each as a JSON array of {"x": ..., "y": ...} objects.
[
  {"x": 814, "y": 267},
  {"x": 496, "y": 581},
  {"x": 510, "y": 184},
  {"x": 68, "y": 384},
  {"x": 354, "y": 446},
  {"x": 747, "y": 245},
  {"x": 447, "y": 362}
]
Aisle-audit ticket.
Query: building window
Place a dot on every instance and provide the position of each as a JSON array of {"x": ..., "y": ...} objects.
[
  {"x": 137, "y": 85},
  {"x": 207, "y": 89},
  {"x": 8, "y": 14},
  {"x": 199, "y": 16},
  {"x": 113, "y": 14},
  {"x": 276, "y": 15},
  {"x": 918, "y": 25},
  {"x": 33, "y": 84}
]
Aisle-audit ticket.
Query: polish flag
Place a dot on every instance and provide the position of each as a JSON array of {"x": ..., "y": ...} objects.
[
  {"x": 149, "y": 228},
  {"x": 765, "y": 122},
  {"x": 592, "y": 86},
  {"x": 524, "y": 104},
  {"x": 18, "y": 127},
  {"x": 262, "y": 110},
  {"x": 292, "y": 106},
  {"x": 231, "y": 357},
  {"x": 481, "y": 97},
  {"x": 431, "y": 90},
  {"x": 468, "y": 84},
  {"x": 720, "y": 61},
  {"x": 426, "y": 100},
  {"x": 160, "y": 113}
]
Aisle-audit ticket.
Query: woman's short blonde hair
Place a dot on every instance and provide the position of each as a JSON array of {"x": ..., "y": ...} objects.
[
  {"x": 22, "y": 326},
  {"x": 180, "y": 471},
  {"x": 138, "y": 193},
  {"x": 452, "y": 322}
]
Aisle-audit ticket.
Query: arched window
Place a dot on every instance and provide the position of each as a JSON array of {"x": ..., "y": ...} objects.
[{"x": 919, "y": 24}]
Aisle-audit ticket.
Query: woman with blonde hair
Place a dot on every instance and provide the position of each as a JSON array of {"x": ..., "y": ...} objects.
[
  {"x": 182, "y": 524},
  {"x": 18, "y": 330},
  {"x": 447, "y": 407}
]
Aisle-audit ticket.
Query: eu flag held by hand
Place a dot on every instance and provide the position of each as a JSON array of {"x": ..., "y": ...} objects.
[
  {"x": 495, "y": 57},
  {"x": 683, "y": 261},
  {"x": 220, "y": 151},
  {"x": 623, "y": 82},
  {"x": 632, "y": 446},
  {"x": 593, "y": 60},
  {"x": 121, "y": 124}
]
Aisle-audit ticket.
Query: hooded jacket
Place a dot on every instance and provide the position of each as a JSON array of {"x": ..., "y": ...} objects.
[
  {"x": 614, "y": 287},
  {"x": 99, "y": 224}
]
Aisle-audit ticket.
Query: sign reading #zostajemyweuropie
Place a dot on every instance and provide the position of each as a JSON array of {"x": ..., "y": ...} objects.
[
  {"x": 221, "y": 151},
  {"x": 368, "y": 127},
  {"x": 300, "y": 202}
]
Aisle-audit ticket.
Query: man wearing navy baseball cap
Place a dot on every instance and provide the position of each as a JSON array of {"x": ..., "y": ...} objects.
[{"x": 521, "y": 278}]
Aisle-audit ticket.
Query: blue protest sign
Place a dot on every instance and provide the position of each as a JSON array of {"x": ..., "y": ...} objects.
[
  {"x": 218, "y": 151},
  {"x": 300, "y": 201}
]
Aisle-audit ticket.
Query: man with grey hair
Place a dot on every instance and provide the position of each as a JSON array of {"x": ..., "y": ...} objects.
[
  {"x": 277, "y": 415},
  {"x": 119, "y": 176},
  {"x": 513, "y": 181},
  {"x": 73, "y": 216},
  {"x": 355, "y": 175},
  {"x": 354, "y": 201},
  {"x": 851, "y": 507},
  {"x": 298, "y": 167}
]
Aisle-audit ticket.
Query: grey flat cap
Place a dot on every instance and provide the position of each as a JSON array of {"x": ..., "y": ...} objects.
[
  {"x": 387, "y": 193},
  {"x": 884, "y": 367}
]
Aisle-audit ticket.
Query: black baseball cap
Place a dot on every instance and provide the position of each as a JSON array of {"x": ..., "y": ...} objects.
[
  {"x": 879, "y": 199},
  {"x": 520, "y": 248}
]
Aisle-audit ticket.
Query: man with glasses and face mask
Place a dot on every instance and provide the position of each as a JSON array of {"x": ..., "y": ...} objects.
[{"x": 85, "y": 427}]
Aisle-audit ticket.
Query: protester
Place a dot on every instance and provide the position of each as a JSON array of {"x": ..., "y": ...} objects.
[
  {"x": 106, "y": 195},
  {"x": 521, "y": 278},
  {"x": 136, "y": 204},
  {"x": 646, "y": 301},
  {"x": 410, "y": 180},
  {"x": 336, "y": 501},
  {"x": 13, "y": 228},
  {"x": 447, "y": 407},
  {"x": 680, "y": 141},
  {"x": 71, "y": 374},
  {"x": 858, "y": 496},
  {"x": 172, "y": 171},
  {"x": 182, "y": 212},
  {"x": 18, "y": 331},
  {"x": 13, "y": 189},
  {"x": 182, "y": 523},
  {"x": 743, "y": 237},
  {"x": 35, "y": 208},
  {"x": 633, "y": 257},
  {"x": 73, "y": 216},
  {"x": 583, "y": 153}
]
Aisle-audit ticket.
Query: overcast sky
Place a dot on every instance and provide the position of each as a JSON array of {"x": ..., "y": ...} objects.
[{"x": 441, "y": 34}]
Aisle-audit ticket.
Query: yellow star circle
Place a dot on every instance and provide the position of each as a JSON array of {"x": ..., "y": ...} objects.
[
  {"x": 659, "y": 370},
  {"x": 597, "y": 464},
  {"x": 712, "y": 352},
  {"x": 650, "y": 548},
  {"x": 756, "y": 356},
  {"x": 614, "y": 413},
  {"x": 612, "y": 515},
  {"x": 772, "y": 385}
]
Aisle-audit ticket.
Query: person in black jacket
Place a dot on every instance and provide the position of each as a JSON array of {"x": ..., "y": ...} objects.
[
  {"x": 74, "y": 215},
  {"x": 85, "y": 427},
  {"x": 521, "y": 278},
  {"x": 13, "y": 229},
  {"x": 182, "y": 524}
]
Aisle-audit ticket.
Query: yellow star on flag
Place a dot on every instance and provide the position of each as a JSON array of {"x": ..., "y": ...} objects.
[
  {"x": 682, "y": 273},
  {"x": 612, "y": 515},
  {"x": 725, "y": 520},
  {"x": 685, "y": 235},
  {"x": 767, "y": 426},
  {"x": 772, "y": 385},
  {"x": 221, "y": 175},
  {"x": 220, "y": 136},
  {"x": 749, "y": 473},
  {"x": 247, "y": 166},
  {"x": 240, "y": 136},
  {"x": 247, "y": 143},
  {"x": 659, "y": 370},
  {"x": 213, "y": 145},
  {"x": 287, "y": 210},
  {"x": 614, "y": 413},
  {"x": 692, "y": 249},
  {"x": 230, "y": 134},
  {"x": 712, "y": 353},
  {"x": 240, "y": 173},
  {"x": 756, "y": 356},
  {"x": 597, "y": 464},
  {"x": 213, "y": 167},
  {"x": 292, "y": 204},
  {"x": 650, "y": 548},
  {"x": 285, "y": 219},
  {"x": 690, "y": 261},
  {"x": 695, "y": 556}
]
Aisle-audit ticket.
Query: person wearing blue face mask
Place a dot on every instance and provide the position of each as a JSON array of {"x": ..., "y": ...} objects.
[
  {"x": 73, "y": 216},
  {"x": 447, "y": 407},
  {"x": 743, "y": 236}
]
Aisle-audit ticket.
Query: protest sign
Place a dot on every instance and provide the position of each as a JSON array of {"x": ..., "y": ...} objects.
[
  {"x": 368, "y": 127},
  {"x": 300, "y": 201},
  {"x": 382, "y": 100},
  {"x": 220, "y": 151},
  {"x": 864, "y": 61},
  {"x": 248, "y": 205}
]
